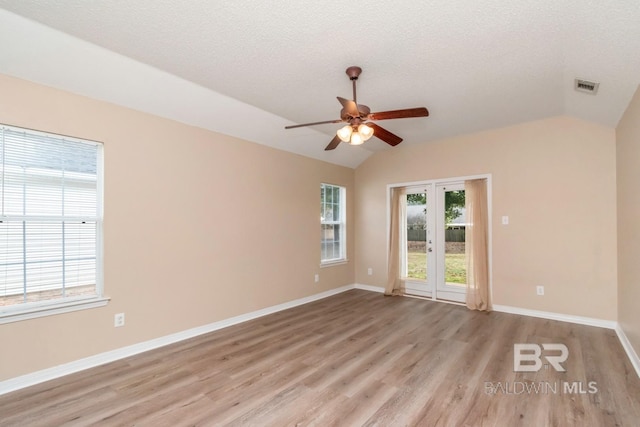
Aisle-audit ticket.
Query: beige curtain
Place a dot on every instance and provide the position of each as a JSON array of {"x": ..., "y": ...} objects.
[
  {"x": 477, "y": 245},
  {"x": 395, "y": 284}
]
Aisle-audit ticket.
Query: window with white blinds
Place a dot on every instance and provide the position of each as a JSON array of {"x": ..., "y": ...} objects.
[
  {"x": 50, "y": 218},
  {"x": 333, "y": 248}
]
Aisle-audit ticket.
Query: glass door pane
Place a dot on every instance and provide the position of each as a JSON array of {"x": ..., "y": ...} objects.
[
  {"x": 417, "y": 236},
  {"x": 455, "y": 264},
  {"x": 450, "y": 225}
]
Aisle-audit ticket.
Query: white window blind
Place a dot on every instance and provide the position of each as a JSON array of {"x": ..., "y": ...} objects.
[
  {"x": 50, "y": 213},
  {"x": 333, "y": 223}
]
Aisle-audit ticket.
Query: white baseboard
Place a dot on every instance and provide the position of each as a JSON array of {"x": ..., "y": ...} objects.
[
  {"x": 369, "y": 288},
  {"x": 120, "y": 353},
  {"x": 631, "y": 353},
  {"x": 589, "y": 321}
]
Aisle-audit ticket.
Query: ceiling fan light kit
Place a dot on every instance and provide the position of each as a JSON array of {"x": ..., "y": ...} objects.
[
  {"x": 356, "y": 139},
  {"x": 344, "y": 133},
  {"x": 353, "y": 135},
  {"x": 359, "y": 119},
  {"x": 365, "y": 131}
]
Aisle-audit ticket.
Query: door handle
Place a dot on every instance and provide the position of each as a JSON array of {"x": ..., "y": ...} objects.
[{"x": 430, "y": 250}]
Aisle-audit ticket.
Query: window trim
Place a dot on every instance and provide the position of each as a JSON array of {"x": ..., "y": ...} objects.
[
  {"x": 343, "y": 228},
  {"x": 334, "y": 263},
  {"x": 32, "y": 310},
  {"x": 20, "y": 312}
]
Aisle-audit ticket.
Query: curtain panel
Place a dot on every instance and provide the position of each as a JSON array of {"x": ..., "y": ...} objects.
[
  {"x": 477, "y": 245},
  {"x": 395, "y": 283}
]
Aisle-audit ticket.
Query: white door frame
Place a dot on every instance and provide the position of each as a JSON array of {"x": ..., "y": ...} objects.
[
  {"x": 423, "y": 288},
  {"x": 435, "y": 183}
]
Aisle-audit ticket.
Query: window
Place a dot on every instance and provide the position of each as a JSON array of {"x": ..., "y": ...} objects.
[
  {"x": 50, "y": 221},
  {"x": 332, "y": 219}
]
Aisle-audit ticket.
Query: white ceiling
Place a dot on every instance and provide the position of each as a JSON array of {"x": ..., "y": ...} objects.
[{"x": 247, "y": 68}]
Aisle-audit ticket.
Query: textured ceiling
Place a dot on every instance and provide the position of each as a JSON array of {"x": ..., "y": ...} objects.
[{"x": 475, "y": 65}]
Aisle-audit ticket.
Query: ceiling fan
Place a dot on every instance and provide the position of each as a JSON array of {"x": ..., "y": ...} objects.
[{"x": 359, "y": 119}]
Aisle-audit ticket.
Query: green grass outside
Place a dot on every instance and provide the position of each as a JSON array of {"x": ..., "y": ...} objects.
[{"x": 455, "y": 266}]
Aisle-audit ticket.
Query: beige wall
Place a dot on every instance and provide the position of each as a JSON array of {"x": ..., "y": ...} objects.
[
  {"x": 198, "y": 227},
  {"x": 628, "y": 167},
  {"x": 556, "y": 181}
]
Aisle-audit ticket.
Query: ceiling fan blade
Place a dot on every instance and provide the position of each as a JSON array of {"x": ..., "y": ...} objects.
[
  {"x": 333, "y": 144},
  {"x": 313, "y": 124},
  {"x": 383, "y": 134},
  {"x": 350, "y": 107},
  {"x": 400, "y": 114}
]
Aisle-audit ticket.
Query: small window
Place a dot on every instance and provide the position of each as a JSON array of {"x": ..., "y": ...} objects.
[
  {"x": 333, "y": 223},
  {"x": 50, "y": 220}
]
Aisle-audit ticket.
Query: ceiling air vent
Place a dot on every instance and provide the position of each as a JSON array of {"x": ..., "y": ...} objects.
[{"x": 586, "y": 86}]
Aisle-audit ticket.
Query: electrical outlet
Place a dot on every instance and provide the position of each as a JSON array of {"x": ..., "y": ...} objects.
[
  {"x": 317, "y": 278},
  {"x": 505, "y": 220},
  {"x": 540, "y": 290},
  {"x": 118, "y": 320},
  {"x": 369, "y": 271}
]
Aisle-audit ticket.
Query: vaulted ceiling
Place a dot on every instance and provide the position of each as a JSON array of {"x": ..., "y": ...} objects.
[{"x": 248, "y": 68}]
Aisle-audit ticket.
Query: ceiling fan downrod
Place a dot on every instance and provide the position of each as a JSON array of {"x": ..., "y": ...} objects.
[{"x": 353, "y": 72}]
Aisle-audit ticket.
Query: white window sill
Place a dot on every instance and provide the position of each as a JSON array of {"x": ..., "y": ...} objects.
[
  {"x": 16, "y": 314},
  {"x": 334, "y": 263}
]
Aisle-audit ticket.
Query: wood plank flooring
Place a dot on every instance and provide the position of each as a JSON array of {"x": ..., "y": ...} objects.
[{"x": 353, "y": 359}]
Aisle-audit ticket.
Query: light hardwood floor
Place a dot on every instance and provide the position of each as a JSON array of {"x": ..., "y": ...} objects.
[{"x": 356, "y": 358}]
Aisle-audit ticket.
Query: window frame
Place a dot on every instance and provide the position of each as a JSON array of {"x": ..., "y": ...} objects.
[
  {"x": 35, "y": 309},
  {"x": 341, "y": 221}
]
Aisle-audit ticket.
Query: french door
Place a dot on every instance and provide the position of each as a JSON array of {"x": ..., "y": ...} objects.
[{"x": 433, "y": 241}]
